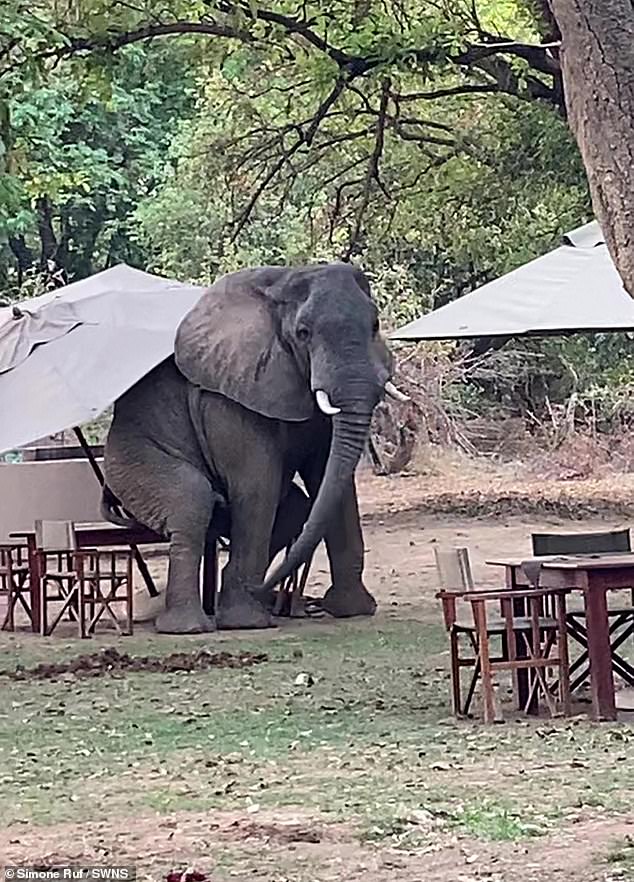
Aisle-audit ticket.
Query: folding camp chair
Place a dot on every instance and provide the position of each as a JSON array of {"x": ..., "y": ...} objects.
[
  {"x": 14, "y": 583},
  {"x": 542, "y": 639},
  {"x": 86, "y": 582}
]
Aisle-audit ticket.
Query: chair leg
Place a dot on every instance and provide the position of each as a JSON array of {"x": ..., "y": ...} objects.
[
  {"x": 81, "y": 598},
  {"x": 455, "y": 673},
  {"x": 509, "y": 647},
  {"x": 621, "y": 667},
  {"x": 280, "y": 599},
  {"x": 298, "y": 593},
  {"x": 488, "y": 699},
  {"x": 564, "y": 674},
  {"x": 9, "y": 619},
  {"x": 472, "y": 687},
  {"x": 43, "y": 607},
  {"x": 129, "y": 597}
]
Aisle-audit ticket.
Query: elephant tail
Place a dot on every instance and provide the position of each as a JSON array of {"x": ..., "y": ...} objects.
[{"x": 113, "y": 511}]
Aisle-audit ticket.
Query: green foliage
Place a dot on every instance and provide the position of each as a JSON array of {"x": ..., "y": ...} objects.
[
  {"x": 86, "y": 146},
  {"x": 359, "y": 131}
]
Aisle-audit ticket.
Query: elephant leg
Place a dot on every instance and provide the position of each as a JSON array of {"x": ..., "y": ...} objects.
[
  {"x": 252, "y": 516},
  {"x": 347, "y": 595},
  {"x": 187, "y": 530},
  {"x": 292, "y": 514}
]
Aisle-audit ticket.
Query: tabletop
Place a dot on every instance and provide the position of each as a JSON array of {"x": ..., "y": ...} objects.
[
  {"x": 87, "y": 525},
  {"x": 611, "y": 561},
  {"x": 103, "y": 532}
]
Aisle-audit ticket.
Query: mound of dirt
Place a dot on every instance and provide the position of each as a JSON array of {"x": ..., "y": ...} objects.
[{"x": 111, "y": 661}]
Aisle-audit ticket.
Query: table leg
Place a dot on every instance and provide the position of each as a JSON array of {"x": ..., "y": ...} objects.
[
  {"x": 34, "y": 584},
  {"x": 599, "y": 652},
  {"x": 210, "y": 577}
]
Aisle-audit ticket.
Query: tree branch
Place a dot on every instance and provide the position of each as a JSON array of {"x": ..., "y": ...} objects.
[
  {"x": 538, "y": 56},
  {"x": 303, "y": 138},
  {"x": 292, "y": 26},
  {"x": 373, "y": 173},
  {"x": 421, "y": 137},
  {"x": 507, "y": 81},
  {"x": 466, "y": 89},
  {"x": 114, "y": 41},
  {"x": 149, "y": 32}
]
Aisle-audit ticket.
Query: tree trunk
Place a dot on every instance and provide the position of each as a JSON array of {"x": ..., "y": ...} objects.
[
  {"x": 597, "y": 57},
  {"x": 23, "y": 255},
  {"x": 48, "y": 239}
]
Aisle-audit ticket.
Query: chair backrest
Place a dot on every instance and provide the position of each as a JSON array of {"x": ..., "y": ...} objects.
[
  {"x": 581, "y": 543},
  {"x": 55, "y": 536},
  {"x": 454, "y": 569}
]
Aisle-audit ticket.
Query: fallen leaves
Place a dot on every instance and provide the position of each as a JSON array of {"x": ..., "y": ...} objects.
[
  {"x": 111, "y": 661},
  {"x": 304, "y": 679}
]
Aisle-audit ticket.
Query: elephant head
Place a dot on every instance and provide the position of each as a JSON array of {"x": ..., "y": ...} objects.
[{"x": 282, "y": 341}]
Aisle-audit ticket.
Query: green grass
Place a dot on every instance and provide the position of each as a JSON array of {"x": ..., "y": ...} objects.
[
  {"x": 620, "y": 860},
  {"x": 370, "y": 743}
]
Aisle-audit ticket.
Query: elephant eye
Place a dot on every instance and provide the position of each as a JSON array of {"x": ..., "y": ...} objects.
[
  {"x": 303, "y": 334},
  {"x": 375, "y": 327}
]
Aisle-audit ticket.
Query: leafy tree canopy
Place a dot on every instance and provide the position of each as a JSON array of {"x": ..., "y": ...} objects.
[{"x": 425, "y": 139}]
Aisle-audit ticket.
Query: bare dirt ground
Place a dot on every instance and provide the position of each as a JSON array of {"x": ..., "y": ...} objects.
[
  {"x": 188, "y": 839},
  {"x": 289, "y": 840}
]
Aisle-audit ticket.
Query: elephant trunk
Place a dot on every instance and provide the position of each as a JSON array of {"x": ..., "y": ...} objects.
[{"x": 349, "y": 436}]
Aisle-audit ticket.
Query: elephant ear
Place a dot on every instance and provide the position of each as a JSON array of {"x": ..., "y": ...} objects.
[{"x": 230, "y": 343}]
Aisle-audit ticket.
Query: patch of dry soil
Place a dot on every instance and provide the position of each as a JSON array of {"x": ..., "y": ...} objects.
[{"x": 292, "y": 845}]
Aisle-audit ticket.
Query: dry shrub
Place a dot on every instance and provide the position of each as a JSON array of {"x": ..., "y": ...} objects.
[
  {"x": 579, "y": 455},
  {"x": 623, "y": 453},
  {"x": 583, "y": 454},
  {"x": 433, "y": 416},
  {"x": 580, "y": 437}
]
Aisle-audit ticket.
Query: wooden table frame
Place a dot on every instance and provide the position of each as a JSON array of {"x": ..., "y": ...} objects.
[
  {"x": 594, "y": 575},
  {"x": 106, "y": 535}
]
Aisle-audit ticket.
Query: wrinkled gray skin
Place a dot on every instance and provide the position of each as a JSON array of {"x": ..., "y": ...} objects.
[
  {"x": 233, "y": 417},
  {"x": 292, "y": 513}
]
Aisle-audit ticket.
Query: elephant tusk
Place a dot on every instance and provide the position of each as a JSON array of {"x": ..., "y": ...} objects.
[
  {"x": 395, "y": 393},
  {"x": 323, "y": 402}
]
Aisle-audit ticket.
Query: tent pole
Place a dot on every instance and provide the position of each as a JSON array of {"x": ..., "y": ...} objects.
[{"x": 138, "y": 557}]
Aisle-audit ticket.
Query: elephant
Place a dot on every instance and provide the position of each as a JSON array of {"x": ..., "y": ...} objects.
[
  {"x": 291, "y": 515},
  {"x": 276, "y": 372}
]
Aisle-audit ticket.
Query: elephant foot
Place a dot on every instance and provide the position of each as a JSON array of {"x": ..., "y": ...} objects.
[
  {"x": 238, "y": 608},
  {"x": 349, "y": 600},
  {"x": 184, "y": 620}
]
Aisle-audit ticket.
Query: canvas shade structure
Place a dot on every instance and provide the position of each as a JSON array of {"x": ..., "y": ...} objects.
[
  {"x": 575, "y": 288},
  {"x": 67, "y": 355}
]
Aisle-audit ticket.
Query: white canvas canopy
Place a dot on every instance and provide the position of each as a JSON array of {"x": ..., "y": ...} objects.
[
  {"x": 68, "y": 355},
  {"x": 574, "y": 288}
]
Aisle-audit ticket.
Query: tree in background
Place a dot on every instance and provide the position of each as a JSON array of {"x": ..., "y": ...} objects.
[
  {"x": 597, "y": 57},
  {"x": 426, "y": 139},
  {"x": 340, "y": 117},
  {"x": 82, "y": 146}
]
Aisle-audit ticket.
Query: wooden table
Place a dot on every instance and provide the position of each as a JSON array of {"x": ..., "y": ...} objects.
[
  {"x": 104, "y": 535},
  {"x": 594, "y": 575}
]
